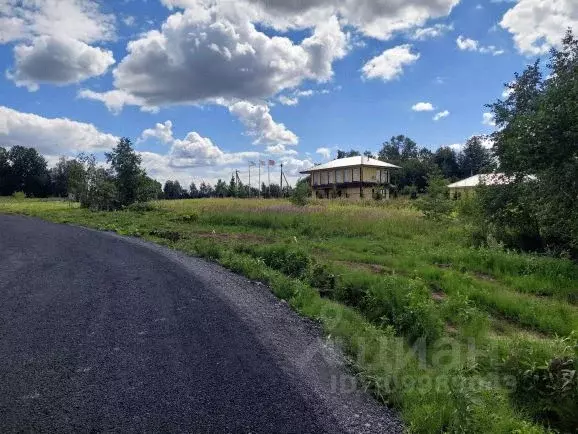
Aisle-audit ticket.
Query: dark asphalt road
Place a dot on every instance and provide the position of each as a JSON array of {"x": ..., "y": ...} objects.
[{"x": 102, "y": 333}]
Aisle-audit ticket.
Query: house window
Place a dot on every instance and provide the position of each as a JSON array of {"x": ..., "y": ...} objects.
[
  {"x": 356, "y": 174},
  {"x": 316, "y": 179},
  {"x": 339, "y": 176},
  {"x": 347, "y": 175},
  {"x": 324, "y": 178}
]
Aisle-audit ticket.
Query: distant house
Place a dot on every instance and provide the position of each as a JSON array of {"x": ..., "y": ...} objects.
[
  {"x": 465, "y": 187},
  {"x": 353, "y": 177}
]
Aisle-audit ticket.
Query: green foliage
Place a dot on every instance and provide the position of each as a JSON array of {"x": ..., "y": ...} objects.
[
  {"x": 148, "y": 189},
  {"x": 19, "y": 195},
  {"x": 221, "y": 189},
  {"x": 475, "y": 158},
  {"x": 125, "y": 164},
  {"x": 141, "y": 207},
  {"x": 290, "y": 261},
  {"x": 301, "y": 193},
  {"x": 23, "y": 169},
  {"x": 436, "y": 205},
  {"x": 345, "y": 154},
  {"x": 537, "y": 137},
  {"x": 173, "y": 190}
]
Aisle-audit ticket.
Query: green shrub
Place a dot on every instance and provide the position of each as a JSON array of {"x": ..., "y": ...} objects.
[
  {"x": 141, "y": 207},
  {"x": 546, "y": 384},
  {"x": 436, "y": 205},
  {"x": 19, "y": 195},
  {"x": 300, "y": 194},
  {"x": 190, "y": 218},
  {"x": 291, "y": 262},
  {"x": 322, "y": 278},
  {"x": 167, "y": 235}
]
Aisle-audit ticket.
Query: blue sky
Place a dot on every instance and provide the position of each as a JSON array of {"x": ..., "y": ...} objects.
[{"x": 204, "y": 86}]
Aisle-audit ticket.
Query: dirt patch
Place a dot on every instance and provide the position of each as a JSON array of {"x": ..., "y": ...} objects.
[
  {"x": 444, "y": 266},
  {"x": 484, "y": 276},
  {"x": 439, "y": 296},
  {"x": 232, "y": 237},
  {"x": 372, "y": 268},
  {"x": 504, "y": 326}
]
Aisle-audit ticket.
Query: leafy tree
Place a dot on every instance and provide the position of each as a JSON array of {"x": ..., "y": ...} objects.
[
  {"x": 25, "y": 170},
  {"x": 436, "y": 205},
  {"x": 193, "y": 191},
  {"x": 416, "y": 163},
  {"x": 398, "y": 149},
  {"x": 206, "y": 190},
  {"x": 537, "y": 138},
  {"x": 149, "y": 189},
  {"x": 446, "y": 159},
  {"x": 76, "y": 178},
  {"x": 232, "y": 190},
  {"x": 368, "y": 154},
  {"x": 346, "y": 154},
  {"x": 125, "y": 163},
  {"x": 173, "y": 190},
  {"x": 221, "y": 189},
  {"x": 475, "y": 158},
  {"x": 98, "y": 190},
  {"x": 275, "y": 190},
  {"x": 5, "y": 181},
  {"x": 301, "y": 192},
  {"x": 59, "y": 179}
]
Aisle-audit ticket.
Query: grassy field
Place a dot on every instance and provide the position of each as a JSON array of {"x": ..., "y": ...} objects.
[{"x": 458, "y": 339}]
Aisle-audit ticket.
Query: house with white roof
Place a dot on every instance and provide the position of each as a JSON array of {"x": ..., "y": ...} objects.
[
  {"x": 353, "y": 177},
  {"x": 466, "y": 186}
]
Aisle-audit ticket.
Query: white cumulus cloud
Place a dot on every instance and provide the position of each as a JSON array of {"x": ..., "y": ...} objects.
[
  {"x": 434, "y": 31},
  {"x": 390, "y": 64},
  {"x": 57, "y": 60},
  {"x": 324, "y": 152},
  {"x": 54, "y": 40},
  {"x": 51, "y": 136},
  {"x": 467, "y": 44},
  {"x": 162, "y": 132},
  {"x": 198, "y": 58},
  {"x": 440, "y": 115},
  {"x": 423, "y": 107},
  {"x": 378, "y": 19},
  {"x": 488, "y": 119},
  {"x": 260, "y": 124},
  {"x": 538, "y": 25}
]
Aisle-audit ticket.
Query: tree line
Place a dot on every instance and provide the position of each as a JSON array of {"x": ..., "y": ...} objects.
[
  {"x": 419, "y": 164},
  {"x": 173, "y": 190},
  {"x": 24, "y": 170}
]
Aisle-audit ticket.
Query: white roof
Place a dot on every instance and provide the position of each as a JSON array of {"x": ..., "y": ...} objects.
[
  {"x": 486, "y": 179},
  {"x": 351, "y": 162}
]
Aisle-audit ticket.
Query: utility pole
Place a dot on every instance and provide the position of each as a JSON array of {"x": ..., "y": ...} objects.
[
  {"x": 259, "y": 186},
  {"x": 269, "y": 176},
  {"x": 281, "y": 183}
]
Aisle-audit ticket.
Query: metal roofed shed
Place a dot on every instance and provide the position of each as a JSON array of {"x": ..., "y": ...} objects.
[{"x": 353, "y": 177}]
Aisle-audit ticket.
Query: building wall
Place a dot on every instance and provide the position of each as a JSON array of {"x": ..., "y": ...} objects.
[
  {"x": 350, "y": 174},
  {"x": 353, "y": 193},
  {"x": 460, "y": 193}
]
